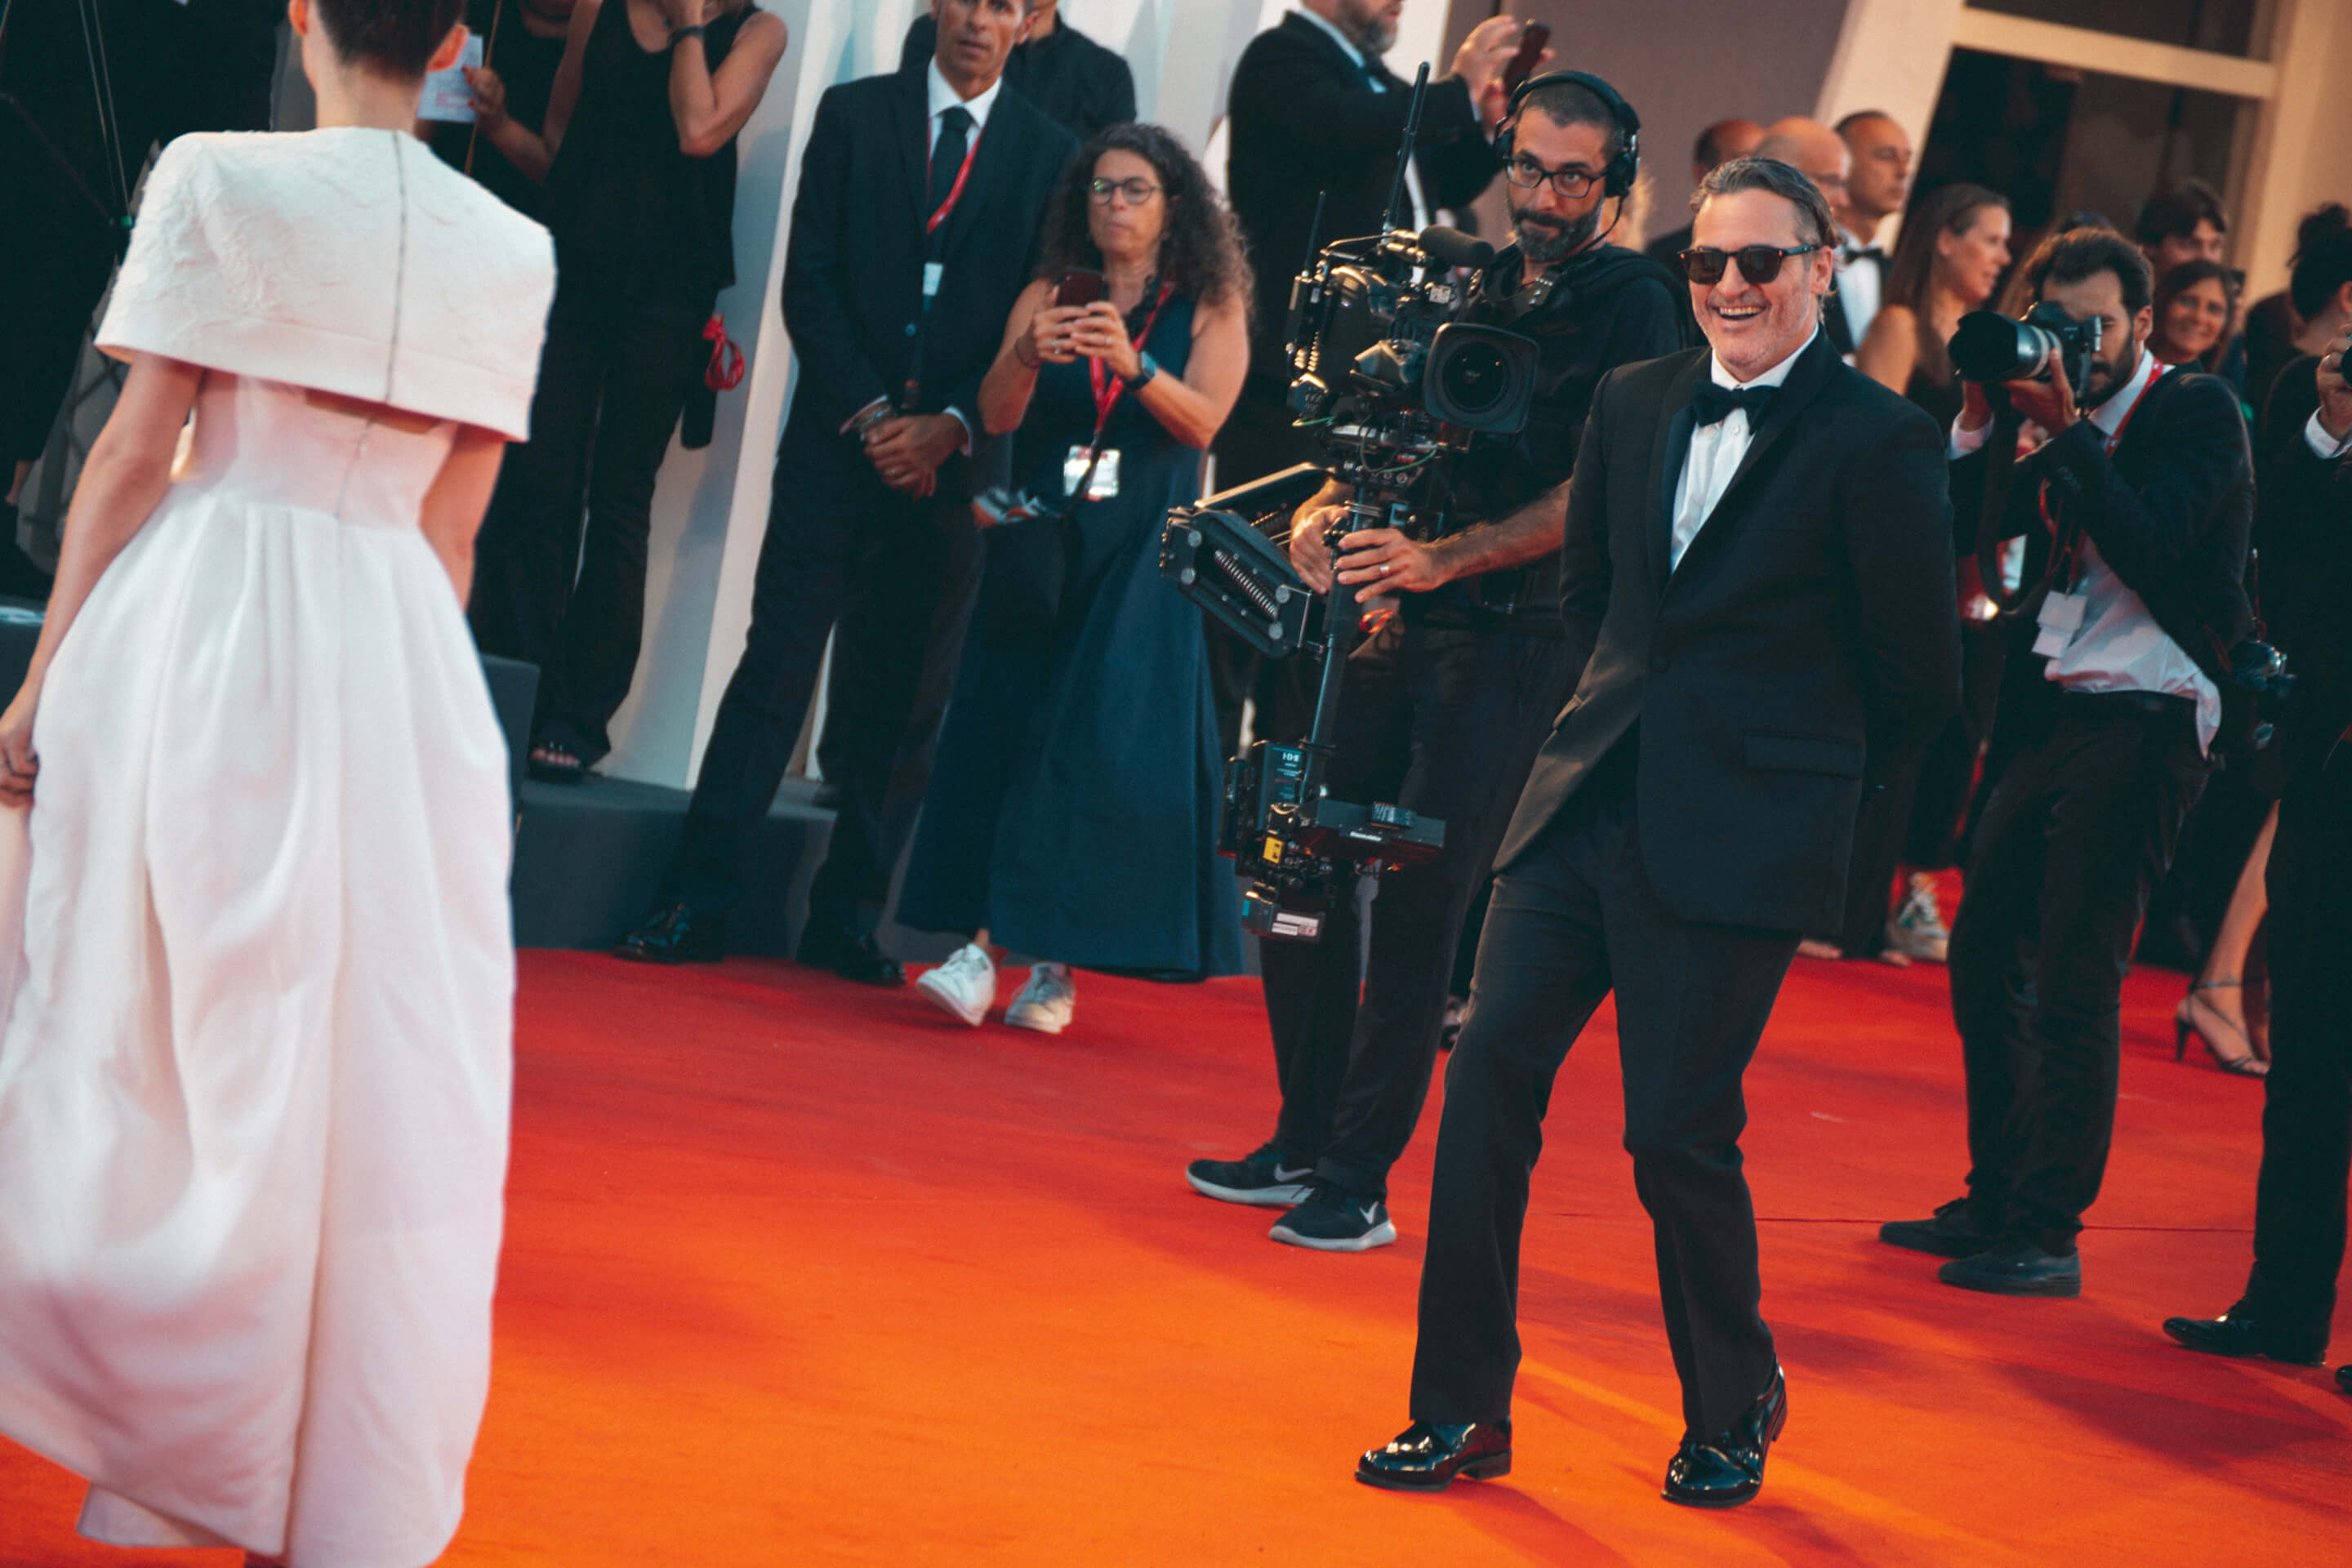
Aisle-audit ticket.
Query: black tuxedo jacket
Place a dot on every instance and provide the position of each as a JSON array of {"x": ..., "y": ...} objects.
[
  {"x": 854, "y": 263},
  {"x": 2171, "y": 509},
  {"x": 1809, "y": 637},
  {"x": 2305, "y": 528},
  {"x": 1304, "y": 121}
]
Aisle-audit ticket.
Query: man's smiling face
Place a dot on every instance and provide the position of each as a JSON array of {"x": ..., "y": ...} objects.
[{"x": 1753, "y": 326}]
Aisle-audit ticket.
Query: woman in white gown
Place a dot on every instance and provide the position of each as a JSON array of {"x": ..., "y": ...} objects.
[{"x": 254, "y": 947}]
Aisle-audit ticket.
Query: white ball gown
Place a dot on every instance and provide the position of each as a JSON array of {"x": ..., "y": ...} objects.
[{"x": 255, "y": 948}]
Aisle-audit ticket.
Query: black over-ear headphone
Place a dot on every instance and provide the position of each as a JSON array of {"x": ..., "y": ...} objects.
[{"x": 1617, "y": 179}]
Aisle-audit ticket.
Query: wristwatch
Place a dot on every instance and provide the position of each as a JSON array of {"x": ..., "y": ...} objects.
[
  {"x": 691, "y": 30},
  {"x": 1146, "y": 367}
]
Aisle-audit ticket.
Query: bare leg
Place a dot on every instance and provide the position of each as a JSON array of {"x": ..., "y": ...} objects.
[
  {"x": 2215, "y": 1005},
  {"x": 17, "y": 483}
]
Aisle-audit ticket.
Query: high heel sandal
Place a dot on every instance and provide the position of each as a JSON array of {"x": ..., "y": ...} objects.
[
  {"x": 2185, "y": 1024},
  {"x": 552, "y": 762}
]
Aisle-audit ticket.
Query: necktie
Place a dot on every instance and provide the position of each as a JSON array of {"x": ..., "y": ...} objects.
[
  {"x": 947, "y": 162},
  {"x": 1711, "y": 404}
]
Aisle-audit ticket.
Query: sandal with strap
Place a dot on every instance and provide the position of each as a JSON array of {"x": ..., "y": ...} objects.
[
  {"x": 551, "y": 761},
  {"x": 2185, "y": 1021}
]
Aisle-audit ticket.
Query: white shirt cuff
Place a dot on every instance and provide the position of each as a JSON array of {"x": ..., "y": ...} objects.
[
  {"x": 1967, "y": 441},
  {"x": 2321, "y": 443},
  {"x": 958, "y": 415}
]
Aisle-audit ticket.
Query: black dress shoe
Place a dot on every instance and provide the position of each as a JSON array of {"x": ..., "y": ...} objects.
[
  {"x": 850, "y": 956},
  {"x": 2344, "y": 1378},
  {"x": 676, "y": 933},
  {"x": 1427, "y": 1456},
  {"x": 1728, "y": 1468},
  {"x": 1947, "y": 1233},
  {"x": 2016, "y": 1268},
  {"x": 2236, "y": 1333}
]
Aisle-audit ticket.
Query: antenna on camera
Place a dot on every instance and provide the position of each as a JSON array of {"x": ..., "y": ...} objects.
[{"x": 1404, "y": 156}]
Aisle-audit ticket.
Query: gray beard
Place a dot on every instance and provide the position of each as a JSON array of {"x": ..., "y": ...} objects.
[
  {"x": 1373, "y": 36},
  {"x": 1543, "y": 244}
]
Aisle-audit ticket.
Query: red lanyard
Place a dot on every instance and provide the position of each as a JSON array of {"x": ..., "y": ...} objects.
[
  {"x": 955, "y": 192},
  {"x": 1106, "y": 391}
]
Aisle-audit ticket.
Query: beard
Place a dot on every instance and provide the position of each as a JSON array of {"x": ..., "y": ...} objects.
[
  {"x": 1544, "y": 239},
  {"x": 2108, "y": 374},
  {"x": 1364, "y": 22}
]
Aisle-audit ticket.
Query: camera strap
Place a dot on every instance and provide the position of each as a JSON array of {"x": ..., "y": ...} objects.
[{"x": 2068, "y": 543}]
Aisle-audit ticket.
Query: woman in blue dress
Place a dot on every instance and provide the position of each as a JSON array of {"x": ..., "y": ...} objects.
[{"x": 1072, "y": 811}]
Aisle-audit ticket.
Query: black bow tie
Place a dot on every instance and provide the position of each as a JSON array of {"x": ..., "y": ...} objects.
[
  {"x": 1711, "y": 404},
  {"x": 1851, "y": 253}
]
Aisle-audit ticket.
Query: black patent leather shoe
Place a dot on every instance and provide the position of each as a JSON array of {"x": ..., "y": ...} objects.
[
  {"x": 1427, "y": 1456},
  {"x": 849, "y": 955},
  {"x": 2237, "y": 1333},
  {"x": 2016, "y": 1268},
  {"x": 1947, "y": 1233},
  {"x": 1727, "y": 1469},
  {"x": 676, "y": 933},
  {"x": 2344, "y": 1378}
]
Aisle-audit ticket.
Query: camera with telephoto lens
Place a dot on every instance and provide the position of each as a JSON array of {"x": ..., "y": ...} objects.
[{"x": 1990, "y": 348}]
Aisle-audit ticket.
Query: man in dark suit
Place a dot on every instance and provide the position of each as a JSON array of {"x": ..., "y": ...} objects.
[
  {"x": 1758, "y": 578},
  {"x": 912, "y": 234},
  {"x": 1718, "y": 145},
  {"x": 1315, "y": 112},
  {"x": 1055, "y": 67},
  {"x": 2104, "y": 728},
  {"x": 2300, "y": 1199}
]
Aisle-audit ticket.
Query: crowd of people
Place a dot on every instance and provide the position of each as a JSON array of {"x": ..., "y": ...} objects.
[{"x": 1774, "y": 612}]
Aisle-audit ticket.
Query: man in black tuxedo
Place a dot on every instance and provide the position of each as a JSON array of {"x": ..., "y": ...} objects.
[
  {"x": 1315, "y": 112},
  {"x": 2300, "y": 1200},
  {"x": 1758, "y": 580},
  {"x": 913, "y": 231},
  {"x": 2103, "y": 726},
  {"x": 1877, "y": 186}
]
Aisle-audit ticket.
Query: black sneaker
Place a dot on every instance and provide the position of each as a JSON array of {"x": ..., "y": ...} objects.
[
  {"x": 1947, "y": 1233},
  {"x": 2016, "y": 1268},
  {"x": 1334, "y": 1219},
  {"x": 1261, "y": 1179}
]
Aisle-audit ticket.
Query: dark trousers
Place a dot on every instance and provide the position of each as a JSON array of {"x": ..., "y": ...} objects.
[
  {"x": 2076, "y": 836},
  {"x": 1446, "y": 723},
  {"x": 1258, "y": 438},
  {"x": 2299, "y": 1201},
  {"x": 611, "y": 379},
  {"x": 836, "y": 537},
  {"x": 1574, "y": 919}
]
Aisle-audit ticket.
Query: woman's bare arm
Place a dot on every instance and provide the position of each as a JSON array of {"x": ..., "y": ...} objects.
[
  {"x": 709, "y": 106},
  {"x": 533, "y": 152},
  {"x": 452, "y": 510},
  {"x": 1891, "y": 348},
  {"x": 128, "y": 469}
]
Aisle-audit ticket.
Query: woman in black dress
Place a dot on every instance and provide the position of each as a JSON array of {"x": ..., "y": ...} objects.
[
  {"x": 1072, "y": 814},
  {"x": 638, "y": 156}
]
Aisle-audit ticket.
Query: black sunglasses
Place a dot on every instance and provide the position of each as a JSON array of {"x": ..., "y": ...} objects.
[{"x": 1758, "y": 263}]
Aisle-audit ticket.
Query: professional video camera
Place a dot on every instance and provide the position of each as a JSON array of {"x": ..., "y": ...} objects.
[
  {"x": 1990, "y": 349},
  {"x": 1394, "y": 388}
]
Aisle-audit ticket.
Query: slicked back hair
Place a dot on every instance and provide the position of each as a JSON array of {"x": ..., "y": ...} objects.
[{"x": 1782, "y": 180}]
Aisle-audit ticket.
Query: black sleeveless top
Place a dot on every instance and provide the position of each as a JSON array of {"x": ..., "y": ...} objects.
[{"x": 623, "y": 203}]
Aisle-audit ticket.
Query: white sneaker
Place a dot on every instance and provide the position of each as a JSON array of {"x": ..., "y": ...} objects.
[
  {"x": 964, "y": 987},
  {"x": 1917, "y": 929},
  {"x": 1047, "y": 1002}
]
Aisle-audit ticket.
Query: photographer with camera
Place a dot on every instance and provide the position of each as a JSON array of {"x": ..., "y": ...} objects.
[
  {"x": 2299, "y": 1199},
  {"x": 2137, "y": 509},
  {"x": 1443, "y": 708}
]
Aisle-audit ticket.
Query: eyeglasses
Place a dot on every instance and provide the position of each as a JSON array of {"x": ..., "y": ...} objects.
[
  {"x": 1758, "y": 263},
  {"x": 1137, "y": 191},
  {"x": 1571, "y": 183}
]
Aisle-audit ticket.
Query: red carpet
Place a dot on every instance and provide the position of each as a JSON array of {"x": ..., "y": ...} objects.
[{"x": 802, "y": 1273}]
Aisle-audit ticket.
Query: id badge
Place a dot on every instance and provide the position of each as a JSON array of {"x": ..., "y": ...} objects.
[
  {"x": 1104, "y": 485},
  {"x": 933, "y": 272},
  {"x": 2060, "y": 619}
]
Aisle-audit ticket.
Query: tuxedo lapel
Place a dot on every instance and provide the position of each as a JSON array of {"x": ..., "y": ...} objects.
[
  {"x": 1669, "y": 449},
  {"x": 911, "y": 130},
  {"x": 1812, "y": 372}
]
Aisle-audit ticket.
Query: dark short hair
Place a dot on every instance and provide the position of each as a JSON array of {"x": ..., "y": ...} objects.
[
  {"x": 1782, "y": 180},
  {"x": 2324, "y": 267},
  {"x": 1574, "y": 103},
  {"x": 1708, "y": 148},
  {"x": 2187, "y": 275},
  {"x": 1200, "y": 254},
  {"x": 393, "y": 37},
  {"x": 2331, "y": 217},
  {"x": 1845, "y": 127},
  {"x": 2081, "y": 253},
  {"x": 2175, "y": 212}
]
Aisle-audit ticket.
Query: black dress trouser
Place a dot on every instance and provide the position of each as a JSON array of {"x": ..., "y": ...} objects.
[
  {"x": 2076, "y": 836},
  {"x": 1572, "y": 920},
  {"x": 611, "y": 379},
  {"x": 1445, "y": 723},
  {"x": 2299, "y": 1203},
  {"x": 836, "y": 537}
]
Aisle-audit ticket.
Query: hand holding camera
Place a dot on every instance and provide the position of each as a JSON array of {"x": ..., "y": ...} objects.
[
  {"x": 1309, "y": 550},
  {"x": 2335, "y": 395}
]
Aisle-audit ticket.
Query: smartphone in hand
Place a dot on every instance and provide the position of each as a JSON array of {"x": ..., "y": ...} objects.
[
  {"x": 1532, "y": 39},
  {"x": 1078, "y": 286}
]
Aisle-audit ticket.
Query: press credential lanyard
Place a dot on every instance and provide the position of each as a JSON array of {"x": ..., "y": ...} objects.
[
  {"x": 1078, "y": 471},
  {"x": 934, "y": 270}
]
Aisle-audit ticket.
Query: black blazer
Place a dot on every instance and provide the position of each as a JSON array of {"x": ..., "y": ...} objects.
[
  {"x": 1304, "y": 121},
  {"x": 2171, "y": 511},
  {"x": 854, "y": 264},
  {"x": 2304, "y": 528},
  {"x": 1809, "y": 637}
]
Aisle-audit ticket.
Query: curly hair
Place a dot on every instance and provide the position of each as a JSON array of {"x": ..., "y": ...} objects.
[{"x": 1201, "y": 251}]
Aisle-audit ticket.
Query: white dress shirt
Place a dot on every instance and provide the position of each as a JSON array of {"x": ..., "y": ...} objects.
[
  {"x": 1859, "y": 282},
  {"x": 1717, "y": 451},
  {"x": 1421, "y": 214},
  {"x": 2119, "y": 646},
  {"x": 2321, "y": 443},
  {"x": 943, "y": 97}
]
